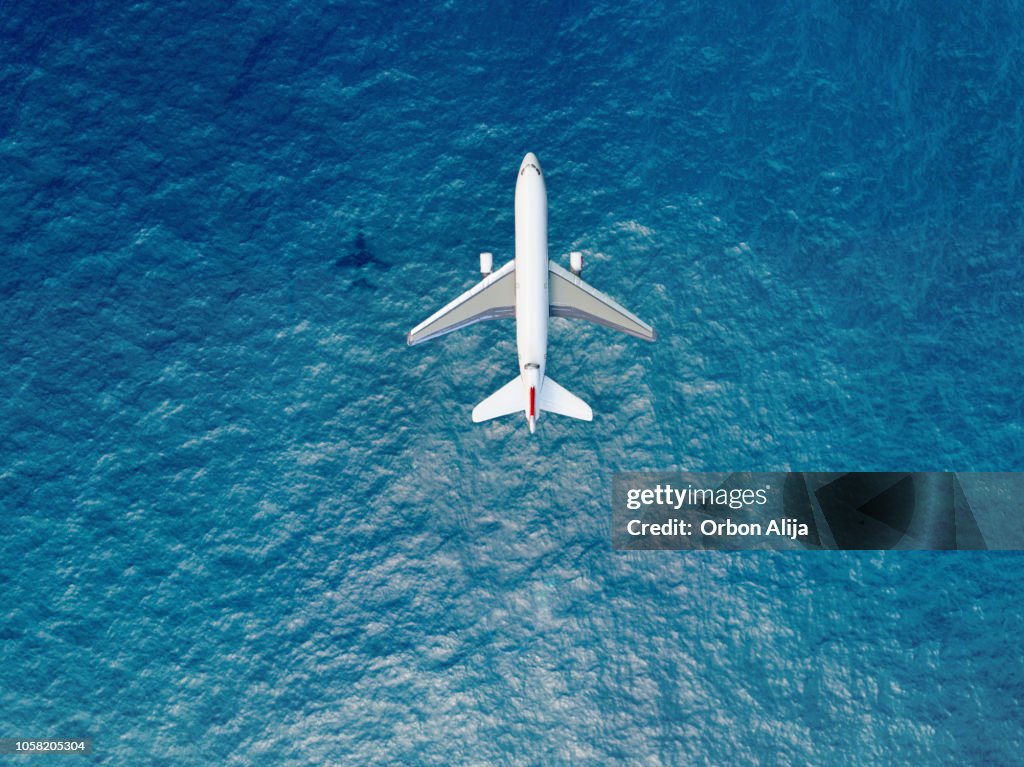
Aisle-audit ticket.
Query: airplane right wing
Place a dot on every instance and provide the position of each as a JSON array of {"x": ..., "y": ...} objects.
[
  {"x": 492, "y": 298},
  {"x": 572, "y": 297}
]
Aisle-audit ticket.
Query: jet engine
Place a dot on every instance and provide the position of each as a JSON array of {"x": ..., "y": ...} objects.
[
  {"x": 486, "y": 263},
  {"x": 576, "y": 262}
]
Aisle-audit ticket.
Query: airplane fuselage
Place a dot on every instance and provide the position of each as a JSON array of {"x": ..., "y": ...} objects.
[{"x": 532, "y": 306}]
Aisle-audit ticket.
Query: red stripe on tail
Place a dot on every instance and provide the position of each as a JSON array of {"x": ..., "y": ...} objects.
[{"x": 533, "y": 393}]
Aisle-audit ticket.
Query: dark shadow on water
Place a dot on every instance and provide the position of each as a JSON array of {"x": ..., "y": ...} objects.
[
  {"x": 257, "y": 54},
  {"x": 360, "y": 255}
]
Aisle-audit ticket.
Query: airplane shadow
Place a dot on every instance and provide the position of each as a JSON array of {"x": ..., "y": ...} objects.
[{"x": 360, "y": 255}]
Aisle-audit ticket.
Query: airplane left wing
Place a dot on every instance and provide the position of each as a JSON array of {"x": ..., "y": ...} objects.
[
  {"x": 492, "y": 298},
  {"x": 572, "y": 297}
]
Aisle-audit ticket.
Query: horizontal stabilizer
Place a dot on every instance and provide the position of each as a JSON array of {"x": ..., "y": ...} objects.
[
  {"x": 572, "y": 297},
  {"x": 492, "y": 298},
  {"x": 510, "y": 398},
  {"x": 555, "y": 399}
]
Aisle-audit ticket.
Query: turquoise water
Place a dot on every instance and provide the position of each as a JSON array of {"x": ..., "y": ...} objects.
[{"x": 244, "y": 523}]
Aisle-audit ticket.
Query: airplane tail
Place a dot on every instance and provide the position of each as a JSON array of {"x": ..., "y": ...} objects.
[
  {"x": 514, "y": 397},
  {"x": 555, "y": 399}
]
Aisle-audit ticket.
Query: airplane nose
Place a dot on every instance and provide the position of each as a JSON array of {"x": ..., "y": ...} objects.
[{"x": 530, "y": 161}]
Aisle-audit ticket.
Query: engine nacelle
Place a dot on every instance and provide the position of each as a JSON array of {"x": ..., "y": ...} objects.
[
  {"x": 576, "y": 262},
  {"x": 486, "y": 263}
]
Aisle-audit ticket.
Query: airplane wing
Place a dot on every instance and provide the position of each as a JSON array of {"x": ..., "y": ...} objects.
[
  {"x": 572, "y": 297},
  {"x": 492, "y": 298}
]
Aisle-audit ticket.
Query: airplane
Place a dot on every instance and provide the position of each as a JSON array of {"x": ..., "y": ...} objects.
[{"x": 531, "y": 288}]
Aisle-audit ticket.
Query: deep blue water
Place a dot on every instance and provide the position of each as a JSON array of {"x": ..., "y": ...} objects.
[{"x": 243, "y": 523}]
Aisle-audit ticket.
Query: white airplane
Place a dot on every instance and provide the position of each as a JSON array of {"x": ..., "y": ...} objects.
[{"x": 531, "y": 288}]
